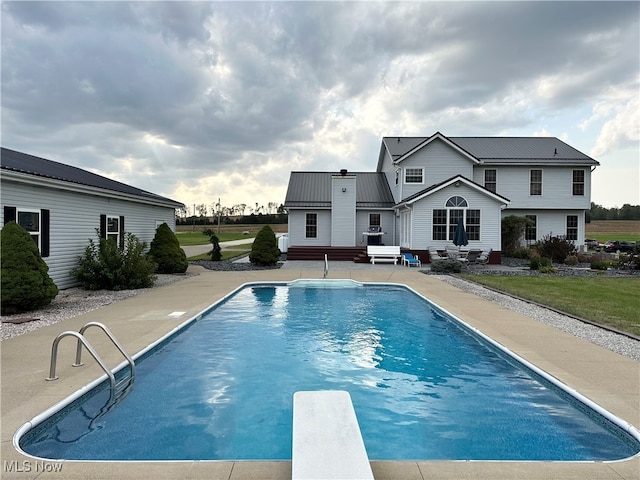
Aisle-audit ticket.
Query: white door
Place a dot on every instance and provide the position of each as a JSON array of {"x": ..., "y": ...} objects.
[{"x": 405, "y": 229}]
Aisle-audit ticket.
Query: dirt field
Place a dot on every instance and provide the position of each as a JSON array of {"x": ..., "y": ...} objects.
[{"x": 629, "y": 227}]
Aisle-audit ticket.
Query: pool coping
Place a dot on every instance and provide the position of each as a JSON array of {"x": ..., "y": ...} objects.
[{"x": 609, "y": 379}]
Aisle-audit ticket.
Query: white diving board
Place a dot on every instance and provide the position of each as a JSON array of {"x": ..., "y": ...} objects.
[{"x": 327, "y": 443}]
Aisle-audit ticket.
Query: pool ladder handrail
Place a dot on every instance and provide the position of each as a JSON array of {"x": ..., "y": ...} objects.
[
  {"x": 326, "y": 266},
  {"x": 83, "y": 341}
]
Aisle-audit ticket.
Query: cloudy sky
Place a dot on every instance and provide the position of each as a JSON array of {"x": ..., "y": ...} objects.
[{"x": 207, "y": 100}]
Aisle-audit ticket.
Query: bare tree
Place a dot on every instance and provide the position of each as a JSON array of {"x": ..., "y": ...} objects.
[{"x": 202, "y": 210}]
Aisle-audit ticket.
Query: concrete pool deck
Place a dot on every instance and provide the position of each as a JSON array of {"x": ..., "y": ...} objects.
[{"x": 609, "y": 379}]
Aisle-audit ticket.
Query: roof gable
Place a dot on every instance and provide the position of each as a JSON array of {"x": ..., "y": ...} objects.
[
  {"x": 452, "y": 181},
  {"x": 19, "y": 162}
]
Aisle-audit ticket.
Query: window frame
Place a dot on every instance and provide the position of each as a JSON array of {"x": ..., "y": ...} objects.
[
  {"x": 491, "y": 184},
  {"x": 311, "y": 227},
  {"x": 413, "y": 175},
  {"x": 533, "y": 183},
  {"x": 375, "y": 220},
  {"x": 578, "y": 185},
  {"x": 36, "y": 235},
  {"x": 572, "y": 230},
  {"x": 531, "y": 231},
  {"x": 444, "y": 221},
  {"x": 113, "y": 234}
]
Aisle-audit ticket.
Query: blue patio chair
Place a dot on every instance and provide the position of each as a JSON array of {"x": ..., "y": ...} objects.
[{"x": 408, "y": 259}]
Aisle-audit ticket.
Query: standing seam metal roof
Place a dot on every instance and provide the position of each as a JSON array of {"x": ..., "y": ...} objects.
[
  {"x": 313, "y": 189},
  {"x": 41, "y": 167}
]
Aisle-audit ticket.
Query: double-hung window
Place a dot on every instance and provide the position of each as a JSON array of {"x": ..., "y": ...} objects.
[
  {"x": 414, "y": 175},
  {"x": 311, "y": 225},
  {"x": 578, "y": 182},
  {"x": 535, "y": 182},
  {"x": 572, "y": 227},
  {"x": 472, "y": 225},
  {"x": 530, "y": 230},
  {"x": 113, "y": 229},
  {"x": 490, "y": 180},
  {"x": 30, "y": 221}
]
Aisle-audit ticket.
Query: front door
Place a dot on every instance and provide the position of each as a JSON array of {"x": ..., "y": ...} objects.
[{"x": 405, "y": 229}]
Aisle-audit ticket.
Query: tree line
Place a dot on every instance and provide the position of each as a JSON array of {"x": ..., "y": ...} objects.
[{"x": 626, "y": 212}]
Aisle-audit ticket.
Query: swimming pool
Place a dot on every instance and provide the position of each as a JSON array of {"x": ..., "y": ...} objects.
[{"x": 424, "y": 386}]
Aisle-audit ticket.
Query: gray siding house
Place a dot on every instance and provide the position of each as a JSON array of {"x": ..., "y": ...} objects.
[
  {"x": 62, "y": 207},
  {"x": 422, "y": 186}
]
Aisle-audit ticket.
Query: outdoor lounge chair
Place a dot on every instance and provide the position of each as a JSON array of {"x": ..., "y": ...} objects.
[
  {"x": 453, "y": 251},
  {"x": 408, "y": 259},
  {"x": 484, "y": 257}
]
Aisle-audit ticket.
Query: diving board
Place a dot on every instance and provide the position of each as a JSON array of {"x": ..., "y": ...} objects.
[{"x": 327, "y": 443}]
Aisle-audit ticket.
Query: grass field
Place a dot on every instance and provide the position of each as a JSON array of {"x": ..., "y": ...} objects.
[
  {"x": 605, "y": 230},
  {"x": 609, "y": 301},
  {"x": 188, "y": 239}
]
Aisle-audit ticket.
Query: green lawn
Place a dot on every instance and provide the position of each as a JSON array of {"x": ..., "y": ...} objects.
[
  {"x": 609, "y": 301},
  {"x": 623, "y": 237},
  {"x": 226, "y": 255},
  {"x": 188, "y": 239}
]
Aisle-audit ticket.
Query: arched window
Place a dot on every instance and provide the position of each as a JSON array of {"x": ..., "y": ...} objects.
[
  {"x": 456, "y": 202},
  {"x": 445, "y": 220}
]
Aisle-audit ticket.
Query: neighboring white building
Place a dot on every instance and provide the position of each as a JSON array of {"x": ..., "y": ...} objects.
[
  {"x": 423, "y": 185},
  {"x": 62, "y": 207}
]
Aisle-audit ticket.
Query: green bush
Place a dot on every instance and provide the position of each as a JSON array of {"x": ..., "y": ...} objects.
[
  {"x": 216, "y": 251},
  {"x": 519, "y": 252},
  {"x": 600, "y": 265},
  {"x": 555, "y": 248},
  {"x": 166, "y": 252},
  {"x": 107, "y": 266},
  {"x": 265, "y": 248},
  {"x": 448, "y": 265},
  {"x": 26, "y": 284},
  {"x": 571, "y": 260},
  {"x": 539, "y": 263}
]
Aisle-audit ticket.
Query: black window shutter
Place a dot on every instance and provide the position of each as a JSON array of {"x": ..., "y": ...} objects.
[
  {"x": 103, "y": 226},
  {"x": 121, "y": 232},
  {"x": 9, "y": 214},
  {"x": 44, "y": 232}
]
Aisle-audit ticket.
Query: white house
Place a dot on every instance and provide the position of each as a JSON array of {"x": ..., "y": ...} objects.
[
  {"x": 423, "y": 185},
  {"x": 62, "y": 207}
]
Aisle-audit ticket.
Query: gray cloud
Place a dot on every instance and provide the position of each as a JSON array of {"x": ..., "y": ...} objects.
[{"x": 199, "y": 88}]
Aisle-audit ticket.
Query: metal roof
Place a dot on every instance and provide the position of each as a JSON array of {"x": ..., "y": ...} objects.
[
  {"x": 12, "y": 160},
  {"x": 313, "y": 190},
  {"x": 503, "y": 150}
]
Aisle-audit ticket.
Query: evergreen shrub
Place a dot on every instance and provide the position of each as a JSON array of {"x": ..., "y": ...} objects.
[
  {"x": 26, "y": 284},
  {"x": 265, "y": 248},
  {"x": 447, "y": 265},
  {"x": 166, "y": 252},
  {"x": 107, "y": 266}
]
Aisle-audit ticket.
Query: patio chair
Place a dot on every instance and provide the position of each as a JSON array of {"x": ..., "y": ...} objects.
[
  {"x": 453, "y": 251},
  {"x": 435, "y": 255},
  {"x": 484, "y": 257},
  {"x": 473, "y": 255},
  {"x": 408, "y": 259}
]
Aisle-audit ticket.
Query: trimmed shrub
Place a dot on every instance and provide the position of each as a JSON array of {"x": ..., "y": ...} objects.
[
  {"x": 216, "y": 250},
  {"x": 26, "y": 284},
  {"x": 107, "y": 266},
  {"x": 520, "y": 252},
  {"x": 448, "y": 265},
  {"x": 166, "y": 252},
  {"x": 265, "y": 248}
]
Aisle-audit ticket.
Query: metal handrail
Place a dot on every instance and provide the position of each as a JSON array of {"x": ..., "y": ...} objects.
[
  {"x": 326, "y": 266},
  {"x": 94, "y": 354},
  {"x": 111, "y": 337}
]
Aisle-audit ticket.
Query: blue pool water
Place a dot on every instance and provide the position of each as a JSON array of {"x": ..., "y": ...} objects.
[{"x": 423, "y": 387}]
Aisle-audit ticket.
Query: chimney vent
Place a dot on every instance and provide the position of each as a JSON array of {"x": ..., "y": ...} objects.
[{"x": 343, "y": 172}]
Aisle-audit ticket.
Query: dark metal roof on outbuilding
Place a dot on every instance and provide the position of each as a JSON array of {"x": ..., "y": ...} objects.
[
  {"x": 12, "y": 160},
  {"x": 313, "y": 190}
]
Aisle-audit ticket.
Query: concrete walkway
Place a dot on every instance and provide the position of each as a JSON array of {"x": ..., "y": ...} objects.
[{"x": 611, "y": 380}]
